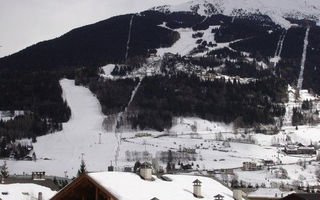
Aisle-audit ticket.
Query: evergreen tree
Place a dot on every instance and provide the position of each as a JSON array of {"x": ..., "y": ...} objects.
[
  {"x": 136, "y": 166},
  {"x": 82, "y": 169},
  {"x": 4, "y": 170}
]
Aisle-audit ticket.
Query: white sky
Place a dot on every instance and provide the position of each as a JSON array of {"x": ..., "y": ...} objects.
[{"x": 26, "y": 22}]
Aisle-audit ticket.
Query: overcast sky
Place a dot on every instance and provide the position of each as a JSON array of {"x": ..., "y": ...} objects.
[{"x": 25, "y": 22}]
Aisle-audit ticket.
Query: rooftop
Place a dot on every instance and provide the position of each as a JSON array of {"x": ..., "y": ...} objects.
[
  {"x": 24, "y": 191},
  {"x": 120, "y": 185}
]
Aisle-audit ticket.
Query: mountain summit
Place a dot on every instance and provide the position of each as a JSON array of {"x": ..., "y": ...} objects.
[{"x": 277, "y": 10}]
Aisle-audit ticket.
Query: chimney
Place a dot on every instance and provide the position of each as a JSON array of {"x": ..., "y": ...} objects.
[
  {"x": 40, "y": 196},
  {"x": 197, "y": 188},
  {"x": 146, "y": 171}
]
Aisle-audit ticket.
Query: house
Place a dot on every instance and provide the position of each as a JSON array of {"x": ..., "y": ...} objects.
[
  {"x": 268, "y": 194},
  {"x": 21, "y": 191},
  {"x": 300, "y": 149},
  {"x": 268, "y": 163},
  {"x": 305, "y": 196},
  {"x": 250, "y": 166},
  {"x": 224, "y": 171},
  {"x": 291, "y": 149},
  {"x": 123, "y": 185},
  {"x": 38, "y": 175},
  {"x": 189, "y": 150},
  {"x": 307, "y": 150},
  {"x": 48, "y": 183}
]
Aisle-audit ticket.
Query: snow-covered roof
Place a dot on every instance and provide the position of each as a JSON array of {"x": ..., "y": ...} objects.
[
  {"x": 24, "y": 191},
  {"x": 127, "y": 186},
  {"x": 269, "y": 193}
]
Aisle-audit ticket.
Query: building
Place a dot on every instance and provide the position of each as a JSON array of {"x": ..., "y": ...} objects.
[
  {"x": 268, "y": 163},
  {"x": 250, "y": 166},
  {"x": 268, "y": 194},
  {"x": 229, "y": 171},
  {"x": 21, "y": 191},
  {"x": 38, "y": 175},
  {"x": 293, "y": 149},
  {"x": 305, "y": 196},
  {"x": 122, "y": 185},
  {"x": 48, "y": 183}
]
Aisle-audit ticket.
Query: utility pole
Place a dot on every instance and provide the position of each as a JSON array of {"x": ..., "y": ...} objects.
[
  {"x": 145, "y": 145},
  {"x": 99, "y": 138}
]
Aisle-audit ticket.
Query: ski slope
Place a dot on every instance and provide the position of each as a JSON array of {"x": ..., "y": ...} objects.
[
  {"x": 303, "y": 60},
  {"x": 62, "y": 151}
]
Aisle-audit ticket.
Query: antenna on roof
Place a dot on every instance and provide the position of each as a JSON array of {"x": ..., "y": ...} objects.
[{"x": 82, "y": 156}]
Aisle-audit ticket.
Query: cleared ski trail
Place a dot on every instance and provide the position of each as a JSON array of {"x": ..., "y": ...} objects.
[
  {"x": 61, "y": 151},
  {"x": 303, "y": 60}
]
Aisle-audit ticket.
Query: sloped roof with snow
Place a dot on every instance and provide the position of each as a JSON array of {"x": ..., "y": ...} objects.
[
  {"x": 24, "y": 191},
  {"x": 128, "y": 186},
  {"x": 269, "y": 193}
]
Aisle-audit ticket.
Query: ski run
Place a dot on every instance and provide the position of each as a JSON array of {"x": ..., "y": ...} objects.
[{"x": 303, "y": 60}]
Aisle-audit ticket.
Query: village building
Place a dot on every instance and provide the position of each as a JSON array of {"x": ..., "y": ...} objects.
[
  {"x": 299, "y": 149},
  {"x": 19, "y": 191},
  {"x": 268, "y": 163},
  {"x": 304, "y": 196},
  {"x": 268, "y": 194},
  {"x": 189, "y": 150},
  {"x": 229, "y": 171},
  {"x": 38, "y": 175},
  {"x": 123, "y": 185},
  {"x": 251, "y": 166}
]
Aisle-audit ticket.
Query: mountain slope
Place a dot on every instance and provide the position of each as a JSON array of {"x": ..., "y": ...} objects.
[
  {"x": 277, "y": 10},
  {"x": 93, "y": 45}
]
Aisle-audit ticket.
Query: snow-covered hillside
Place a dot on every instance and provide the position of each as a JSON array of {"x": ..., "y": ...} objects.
[
  {"x": 62, "y": 151},
  {"x": 277, "y": 10}
]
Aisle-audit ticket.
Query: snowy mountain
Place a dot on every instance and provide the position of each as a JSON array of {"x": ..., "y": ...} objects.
[
  {"x": 229, "y": 81},
  {"x": 277, "y": 10}
]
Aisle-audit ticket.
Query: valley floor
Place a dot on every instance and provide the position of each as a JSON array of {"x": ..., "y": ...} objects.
[{"x": 61, "y": 152}]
